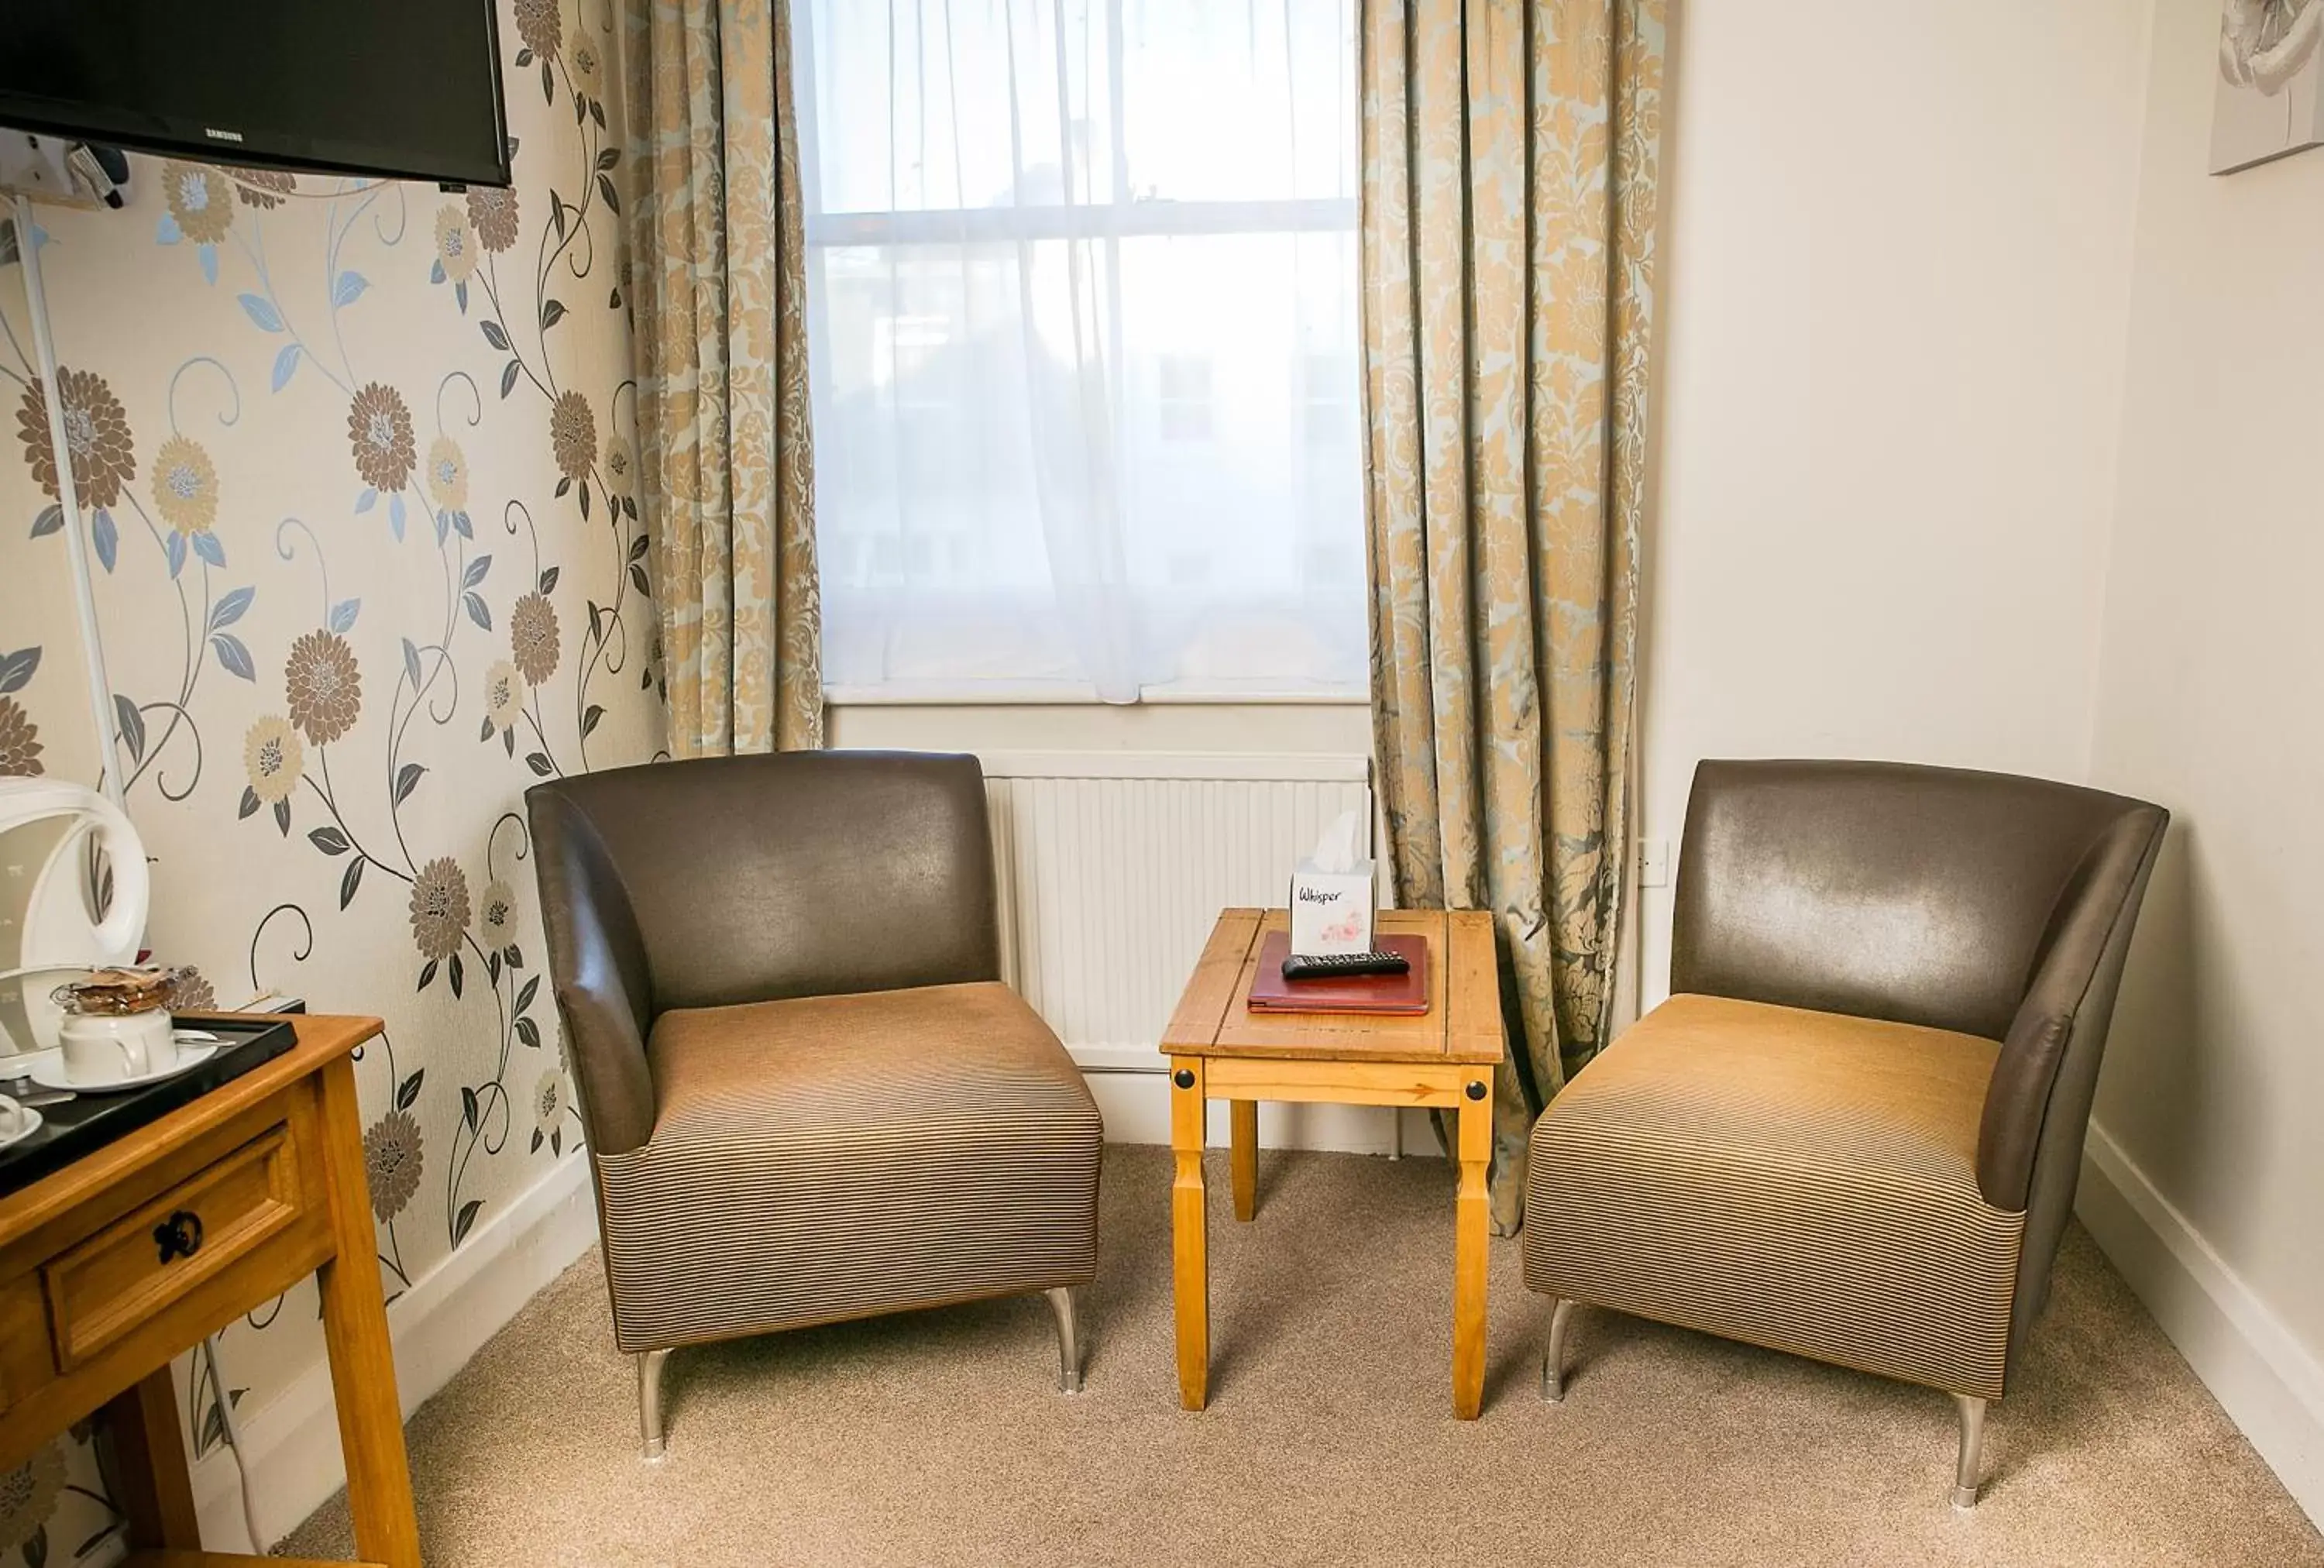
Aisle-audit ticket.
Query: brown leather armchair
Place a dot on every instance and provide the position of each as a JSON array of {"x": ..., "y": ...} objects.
[
  {"x": 1853, "y": 1132},
  {"x": 807, "y": 1094}
]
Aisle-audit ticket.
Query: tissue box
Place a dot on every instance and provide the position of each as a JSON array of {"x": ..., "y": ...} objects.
[{"x": 1331, "y": 911}]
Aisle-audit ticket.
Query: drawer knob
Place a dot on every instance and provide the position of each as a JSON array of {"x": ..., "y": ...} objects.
[{"x": 179, "y": 1236}]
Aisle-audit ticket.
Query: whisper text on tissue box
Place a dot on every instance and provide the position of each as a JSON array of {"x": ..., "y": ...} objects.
[{"x": 1331, "y": 896}]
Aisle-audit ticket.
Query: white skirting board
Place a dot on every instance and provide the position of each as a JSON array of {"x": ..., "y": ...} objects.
[
  {"x": 2269, "y": 1385},
  {"x": 291, "y": 1443}
]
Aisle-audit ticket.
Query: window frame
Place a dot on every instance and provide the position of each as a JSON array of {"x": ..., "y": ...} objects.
[{"x": 1125, "y": 216}]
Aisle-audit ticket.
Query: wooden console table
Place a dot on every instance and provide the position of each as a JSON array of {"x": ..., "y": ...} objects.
[
  {"x": 1445, "y": 1058},
  {"x": 254, "y": 1185}
]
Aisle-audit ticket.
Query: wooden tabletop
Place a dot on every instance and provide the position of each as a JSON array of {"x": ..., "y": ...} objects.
[
  {"x": 321, "y": 1038},
  {"x": 1462, "y": 1023}
]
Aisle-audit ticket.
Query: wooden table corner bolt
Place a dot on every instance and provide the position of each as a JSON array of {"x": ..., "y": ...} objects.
[
  {"x": 130, "y": 1255},
  {"x": 1444, "y": 1059}
]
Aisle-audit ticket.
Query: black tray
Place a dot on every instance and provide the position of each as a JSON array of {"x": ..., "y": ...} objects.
[{"x": 85, "y": 1123}]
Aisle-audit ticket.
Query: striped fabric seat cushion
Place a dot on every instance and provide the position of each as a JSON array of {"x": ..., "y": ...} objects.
[
  {"x": 829, "y": 1157},
  {"x": 1802, "y": 1180}
]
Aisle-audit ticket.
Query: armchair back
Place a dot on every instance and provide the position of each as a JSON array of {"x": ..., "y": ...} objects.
[
  {"x": 1883, "y": 889},
  {"x": 728, "y": 879}
]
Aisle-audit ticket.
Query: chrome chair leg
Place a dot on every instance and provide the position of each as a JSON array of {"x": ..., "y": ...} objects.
[
  {"x": 1972, "y": 1450},
  {"x": 1553, "y": 1361},
  {"x": 1069, "y": 1340},
  {"x": 650, "y": 1365}
]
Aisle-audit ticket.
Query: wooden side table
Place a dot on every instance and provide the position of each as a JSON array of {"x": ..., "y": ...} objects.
[
  {"x": 119, "y": 1262},
  {"x": 1221, "y": 1050}
]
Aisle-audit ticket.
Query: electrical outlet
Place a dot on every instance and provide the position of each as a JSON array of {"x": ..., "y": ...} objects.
[{"x": 1654, "y": 862}]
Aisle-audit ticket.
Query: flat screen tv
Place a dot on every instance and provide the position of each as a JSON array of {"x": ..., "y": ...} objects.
[{"x": 409, "y": 88}]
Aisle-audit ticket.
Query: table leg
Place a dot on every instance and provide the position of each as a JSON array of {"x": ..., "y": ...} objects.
[
  {"x": 1243, "y": 1156},
  {"x": 1189, "y": 1222},
  {"x": 1469, "y": 1214},
  {"x": 157, "y": 1490},
  {"x": 354, "y": 1333}
]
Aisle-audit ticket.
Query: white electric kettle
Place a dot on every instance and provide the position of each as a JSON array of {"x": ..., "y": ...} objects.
[{"x": 51, "y": 929}]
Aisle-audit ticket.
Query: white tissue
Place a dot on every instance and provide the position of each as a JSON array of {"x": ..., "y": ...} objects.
[
  {"x": 1336, "y": 851},
  {"x": 1332, "y": 894}
]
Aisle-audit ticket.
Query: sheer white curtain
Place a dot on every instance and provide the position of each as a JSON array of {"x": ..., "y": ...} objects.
[{"x": 1082, "y": 291}]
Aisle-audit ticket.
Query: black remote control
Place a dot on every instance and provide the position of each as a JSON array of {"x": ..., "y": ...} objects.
[{"x": 1340, "y": 965}]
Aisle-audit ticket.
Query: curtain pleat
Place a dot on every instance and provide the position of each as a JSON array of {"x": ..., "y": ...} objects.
[
  {"x": 1509, "y": 162},
  {"x": 718, "y": 286}
]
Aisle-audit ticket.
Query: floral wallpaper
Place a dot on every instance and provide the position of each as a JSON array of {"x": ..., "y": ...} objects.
[{"x": 355, "y": 462}]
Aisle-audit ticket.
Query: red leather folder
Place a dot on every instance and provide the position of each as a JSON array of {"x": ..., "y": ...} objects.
[{"x": 1381, "y": 993}]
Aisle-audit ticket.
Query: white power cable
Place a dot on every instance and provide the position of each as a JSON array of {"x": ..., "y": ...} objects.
[
  {"x": 231, "y": 1425},
  {"x": 100, "y": 690}
]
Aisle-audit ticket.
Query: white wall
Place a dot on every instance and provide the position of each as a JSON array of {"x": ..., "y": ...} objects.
[
  {"x": 2210, "y": 700},
  {"x": 1894, "y": 294},
  {"x": 1989, "y": 424}
]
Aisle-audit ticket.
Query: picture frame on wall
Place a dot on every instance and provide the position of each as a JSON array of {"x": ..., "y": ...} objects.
[{"x": 2270, "y": 97}]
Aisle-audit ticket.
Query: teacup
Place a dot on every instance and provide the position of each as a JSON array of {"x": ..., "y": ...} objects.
[
  {"x": 100, "y": 1050},
  {"x": 14, "y": 1119}
]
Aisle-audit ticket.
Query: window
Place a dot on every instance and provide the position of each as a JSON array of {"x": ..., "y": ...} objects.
[{"x": 1082, "y": 330}]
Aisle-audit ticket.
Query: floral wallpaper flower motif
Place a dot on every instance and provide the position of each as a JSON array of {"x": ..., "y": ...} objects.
[
  {"x": 549, "y": 1100},
  {"x": 185, "y": 486},
  {"x": 440, "y": 908},
  {"x": 493, "y": 215},
  {"x": 379, "y": 429},
  {"x": 263, "y": 188},
  {"x": 194, "y": 992},
  {"x": 532, "y": 634},
  {"x": 201, "y": 199},
  {"x": 573, "y": 432},
  {"x": 456, "y": 246},
  {"x": 274, "y": 758},
  {"x": 549, "y": 1103},
  {"x": 394, "y": 1161},
  {"x": 28, "y": 1496},
  {"x": 586, "y": 66},
  {"x": 447, "y": 474},
  {"x": 20, "y": 740},
  {"x": 539, "y": 25},
  {"x": 325, "y": 688},
  {"x": 20, "y": 736},
  {"x": 504, "y": 698},
  {"x": 497, "y": 918},
  {"x": 97, "y": 433}
]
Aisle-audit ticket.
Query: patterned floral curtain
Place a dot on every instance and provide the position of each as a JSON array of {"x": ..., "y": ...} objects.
[
  {"x": 1510, "y": 151},
  {"x": 719, "y": 281}
]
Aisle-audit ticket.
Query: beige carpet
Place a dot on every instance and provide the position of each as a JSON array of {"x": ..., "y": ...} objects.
[{"x": 936, "y": 1438}]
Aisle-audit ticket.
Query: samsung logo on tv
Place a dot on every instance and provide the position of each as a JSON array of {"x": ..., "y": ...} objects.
[{"x": 217, "y": 135}]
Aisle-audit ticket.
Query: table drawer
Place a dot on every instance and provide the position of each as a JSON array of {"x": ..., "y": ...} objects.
[{"x": 121, "y": 1277}]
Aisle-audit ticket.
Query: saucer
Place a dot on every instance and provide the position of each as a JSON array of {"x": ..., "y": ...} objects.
[
  {"x": 25, "y": 1064},
  {"x": 51, "y": 1075},
  {"x": 33, "y": 1125},
  {"x": 15, "y": 1069}
]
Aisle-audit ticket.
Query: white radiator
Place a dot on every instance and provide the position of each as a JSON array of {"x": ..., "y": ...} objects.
[{"x": 1113, "y": 867}]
